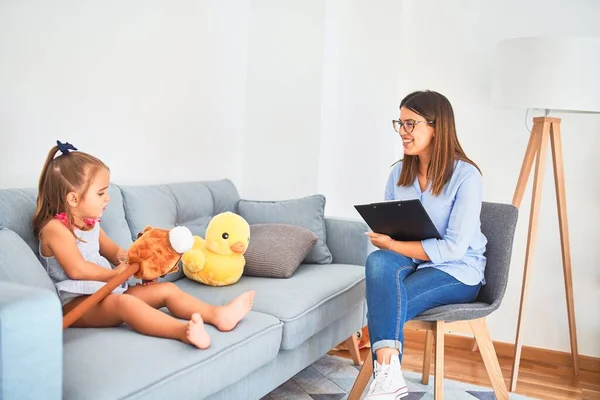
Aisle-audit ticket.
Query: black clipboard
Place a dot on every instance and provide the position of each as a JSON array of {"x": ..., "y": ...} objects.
[{"x": 403, "y": 220}]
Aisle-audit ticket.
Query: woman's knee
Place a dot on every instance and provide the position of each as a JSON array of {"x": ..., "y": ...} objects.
[
  {"x": 384, "y": 265},
  {"x": 378, "y": 267}
]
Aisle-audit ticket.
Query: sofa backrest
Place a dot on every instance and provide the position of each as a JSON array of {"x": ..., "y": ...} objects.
[
  {"x": 17, "y": 207},
  {"x": 131, "y": 208}
]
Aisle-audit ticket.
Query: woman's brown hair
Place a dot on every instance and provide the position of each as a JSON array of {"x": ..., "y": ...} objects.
[
  {"x": 434, "y": 107},
  {"x": 72, "y": 171}
]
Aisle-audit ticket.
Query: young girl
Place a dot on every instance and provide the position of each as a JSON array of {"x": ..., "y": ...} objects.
[{"x": 76, "y": 253}]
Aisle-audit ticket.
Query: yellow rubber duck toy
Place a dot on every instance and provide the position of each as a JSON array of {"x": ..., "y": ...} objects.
[{"x": 219, "y": 259}]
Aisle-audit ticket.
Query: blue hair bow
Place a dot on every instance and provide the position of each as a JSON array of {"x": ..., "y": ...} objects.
[{"x": 65, "y": 147}]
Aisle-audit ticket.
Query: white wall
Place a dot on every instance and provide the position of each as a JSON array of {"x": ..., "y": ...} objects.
[
  {"x": 285, "y": 97},
  {"x": 285, "y": 59},
  {"x": 360, "y": 99},
  {"x": 126, "y": 81},
  {"x": 309, "y": 107}
]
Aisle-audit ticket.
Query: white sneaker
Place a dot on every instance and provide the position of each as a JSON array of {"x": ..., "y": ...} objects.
[{"x": 389, "y": 383}]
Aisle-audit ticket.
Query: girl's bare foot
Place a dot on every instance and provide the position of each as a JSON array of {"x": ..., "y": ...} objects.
[
  {"x": 228, "y": 316},
  {"x": 195, "y": 333}
]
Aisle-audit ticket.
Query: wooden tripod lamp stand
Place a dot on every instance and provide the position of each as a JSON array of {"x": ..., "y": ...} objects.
[{"x": 549, "y": 73}]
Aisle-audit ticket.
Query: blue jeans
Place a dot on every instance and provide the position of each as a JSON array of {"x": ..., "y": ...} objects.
[{"x": 397, "y": 292}]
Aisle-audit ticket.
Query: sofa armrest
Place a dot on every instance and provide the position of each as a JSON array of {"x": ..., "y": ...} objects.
[
  {"x": 31, "y": 350},
  {"x": 347, "y": 241}
]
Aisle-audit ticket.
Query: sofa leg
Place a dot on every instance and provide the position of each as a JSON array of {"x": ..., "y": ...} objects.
[{"x": 352, "y": 345}]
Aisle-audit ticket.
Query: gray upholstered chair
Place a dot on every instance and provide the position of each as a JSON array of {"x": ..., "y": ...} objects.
[{"x": 498, "y": 222}]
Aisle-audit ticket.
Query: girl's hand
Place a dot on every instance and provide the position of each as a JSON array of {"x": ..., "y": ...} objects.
[
  {"x": 380, "y": 240},
  {"x": 122, "y": 257},
  {"x": 120, "y": 268}
]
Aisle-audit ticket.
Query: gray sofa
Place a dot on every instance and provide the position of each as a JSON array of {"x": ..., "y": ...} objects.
[{"x": 293, "y": 322}]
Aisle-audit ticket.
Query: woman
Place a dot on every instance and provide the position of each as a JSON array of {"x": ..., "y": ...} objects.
[{"x": 405, "y": 279}]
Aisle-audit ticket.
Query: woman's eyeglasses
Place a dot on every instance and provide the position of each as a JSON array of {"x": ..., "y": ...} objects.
[{"x": 409, "y": 124}]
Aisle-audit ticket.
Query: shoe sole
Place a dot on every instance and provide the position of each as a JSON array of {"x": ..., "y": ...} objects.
[
  {"x": 400, "y": 393},
  {"x": 403, "y": 393}
]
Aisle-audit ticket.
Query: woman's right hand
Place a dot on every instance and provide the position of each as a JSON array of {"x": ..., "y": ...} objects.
[{"x": 380, "y": 240}]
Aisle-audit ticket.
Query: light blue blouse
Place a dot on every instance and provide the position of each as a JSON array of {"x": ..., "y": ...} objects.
[{"x": 456, "y": 215}]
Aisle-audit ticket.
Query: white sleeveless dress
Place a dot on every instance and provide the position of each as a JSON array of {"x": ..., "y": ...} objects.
[{"x": 67, "y": 288}]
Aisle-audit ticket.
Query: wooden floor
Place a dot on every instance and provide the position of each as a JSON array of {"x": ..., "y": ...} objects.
[{"x": 536, "y": 379}]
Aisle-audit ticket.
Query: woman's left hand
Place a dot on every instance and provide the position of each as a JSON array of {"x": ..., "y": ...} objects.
[{"x": 380, "y": 240}]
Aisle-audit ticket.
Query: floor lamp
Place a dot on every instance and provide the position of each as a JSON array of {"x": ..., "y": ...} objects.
[{"x": 554, "y": 74}]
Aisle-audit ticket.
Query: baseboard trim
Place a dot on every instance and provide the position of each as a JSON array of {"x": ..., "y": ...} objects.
[{"x": 533, "y": 354}]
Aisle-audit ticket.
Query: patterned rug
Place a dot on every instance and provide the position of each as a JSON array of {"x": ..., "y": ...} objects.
[{"x": 331, "y": 378}]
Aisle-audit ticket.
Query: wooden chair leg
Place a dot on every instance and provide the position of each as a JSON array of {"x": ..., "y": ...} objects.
[
  {"x": 438, "y": 391},
  {"x": 362, "y": 379},
  {"x": 352, "y": 344},
  {"x": 490, "y": 359},
  {"x": 427, "y": 357},
  {"x": 474, "y": 345}
]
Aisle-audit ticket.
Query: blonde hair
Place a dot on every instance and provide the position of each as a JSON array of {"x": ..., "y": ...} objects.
[
  {"x": 69, "y": 172},
  {"x": 434, "y": 107}
]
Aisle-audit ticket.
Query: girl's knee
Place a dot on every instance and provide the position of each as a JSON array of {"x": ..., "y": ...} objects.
[
  {"x": 112, "y": 299},
  {"x": 169, "y": 288},
  {"x": 127, "y": 301}
]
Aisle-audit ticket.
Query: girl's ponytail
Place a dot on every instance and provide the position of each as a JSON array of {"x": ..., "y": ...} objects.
[{"x": 40, "y": 210}]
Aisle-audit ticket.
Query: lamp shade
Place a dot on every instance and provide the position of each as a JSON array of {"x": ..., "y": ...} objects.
[{"x": 554, "y": 73}]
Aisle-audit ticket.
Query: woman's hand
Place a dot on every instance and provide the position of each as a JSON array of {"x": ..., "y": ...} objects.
[
  {"x": 408, "y": 249},
  {"x": 380, "y": 240}
]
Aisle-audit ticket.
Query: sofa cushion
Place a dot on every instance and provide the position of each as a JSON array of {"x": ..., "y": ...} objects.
[
  {"x": 116, "y": 363},
  {"x": 276, "y": 250},
  {"x": 307, "y": 212},
  {"x": 18, "y": 263},
  {"x": 190, "y": 204},
  {"x": 313, "y": 298}
]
